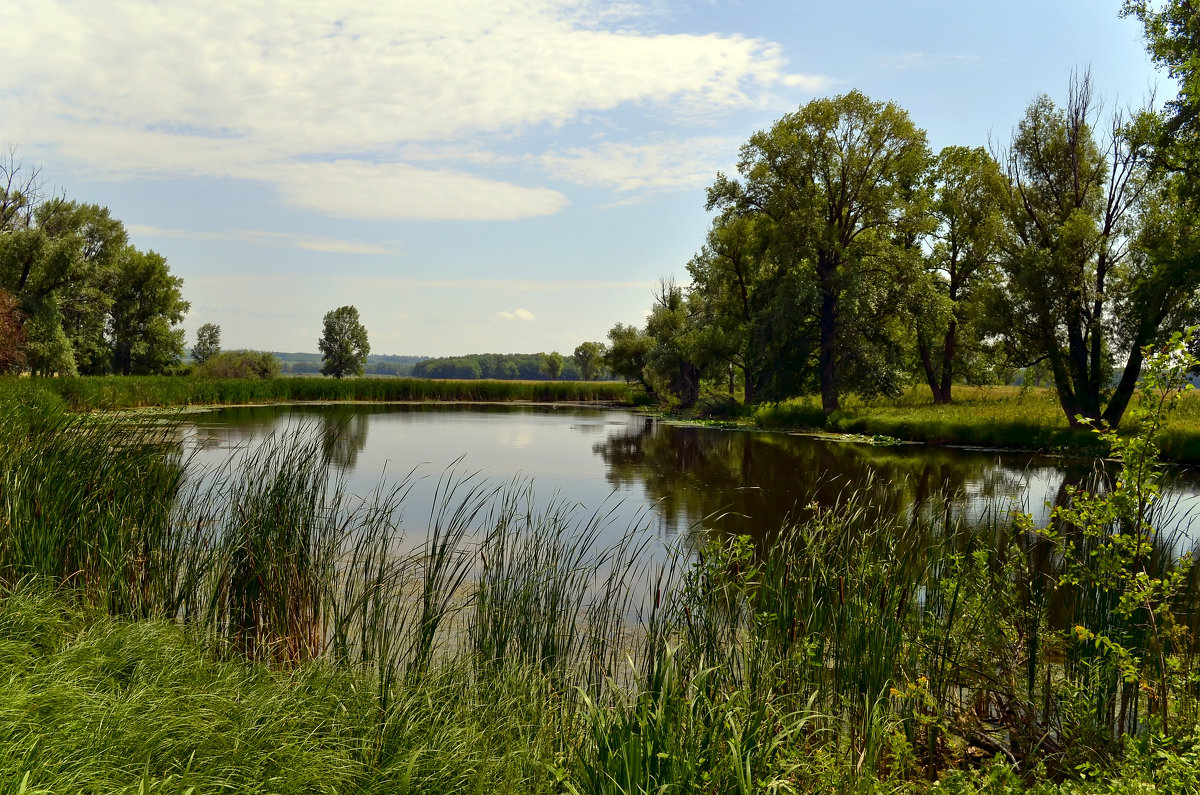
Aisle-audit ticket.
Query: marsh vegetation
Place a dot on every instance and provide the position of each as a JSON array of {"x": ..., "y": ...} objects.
[{"x": 258, "y": 628}]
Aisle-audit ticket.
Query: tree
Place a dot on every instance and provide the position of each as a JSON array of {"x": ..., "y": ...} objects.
[
  {"x": 208, "y": 342},
  {"x": 1103, "y": 258},
  {"x": 1172, "y": 30},
  {"x": 589, "y": 357},
  {"x": 968, "y": 210},
  {"x": 552, "y": 364},
  {"x": 674, "y": 362},
  {"x": 12, "y": 335},
  {"x": 343, "y": 343},
  {"x": 47, "y": 349},
  {"x": 147, "y": 306},
  {"x": 840, "y": 182},
  {"x": 95, "y": 302},
  {"x": 627, "y": 351},
  {"x": 734, "y": 279}
]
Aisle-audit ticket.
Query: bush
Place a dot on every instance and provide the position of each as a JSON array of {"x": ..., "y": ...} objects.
[{"x": 239, "y": 364}]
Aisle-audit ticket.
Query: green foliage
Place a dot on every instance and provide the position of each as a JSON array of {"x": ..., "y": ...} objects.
[
  {"x": 208, "y": 343},
  {"x": 1078, "y": 296},
  {"x": 552, "y": 364},
  {"x": 96, "y": 303},
  {"x": 839, "y": 187},
  {"x": 628, "y": 349},
  {"x": 343, "y": 343},
  {"x": 1132, "y": 640},
  {"x": 589, "y": 358},
  {"x": 147, "y": 305},
  {"x": 47, "y": 349},
  {"x": 238, "y": 364},
  {"x": 967, "y": 209}
]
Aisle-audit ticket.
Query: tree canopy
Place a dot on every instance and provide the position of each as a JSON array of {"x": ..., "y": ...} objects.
[
  {"x": 343, "y": 343},
  {"x": 89, "y": 301},
  {"x": 208, "y": 342},
  {"x": 839, "y": 184}
]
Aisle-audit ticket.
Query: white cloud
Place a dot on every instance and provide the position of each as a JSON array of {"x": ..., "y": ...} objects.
[
  {"x": 518, "y": 314},
  {"x": 639, "y": 167},
  {"x": 356, "y": 189},
  {"x": 260, "y": 237},
  {"x": 312, "y": 96}
]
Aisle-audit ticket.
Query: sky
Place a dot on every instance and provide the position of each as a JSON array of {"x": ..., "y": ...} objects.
[{"x": 483, "y": 176}]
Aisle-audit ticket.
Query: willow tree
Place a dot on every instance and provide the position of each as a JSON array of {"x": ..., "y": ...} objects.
[
  {"x": 1103, "y": 259},
  {"x": 732, "y": 281},
  {"x": 840, "y": 184},
  {"x": 961, "y": 266}
]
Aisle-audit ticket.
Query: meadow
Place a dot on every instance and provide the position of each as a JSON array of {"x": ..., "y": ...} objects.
[
  {"x": 994, "y": 416},
  {"x": 255, "y": 630}
]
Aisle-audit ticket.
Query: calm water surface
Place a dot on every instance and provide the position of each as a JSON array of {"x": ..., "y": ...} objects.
[{"x": 676, "y": 480}]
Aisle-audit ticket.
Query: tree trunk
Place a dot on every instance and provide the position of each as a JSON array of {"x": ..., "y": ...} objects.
[
  {"x": 931, "y": 377},
  {"x": 948, "y": 351},
  {"x": 1124, "y": 391},
  {"x": 827, "y": 355}
]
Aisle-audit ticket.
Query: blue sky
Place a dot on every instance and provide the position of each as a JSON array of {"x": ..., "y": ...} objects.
[{"x": 481, "y": 176}]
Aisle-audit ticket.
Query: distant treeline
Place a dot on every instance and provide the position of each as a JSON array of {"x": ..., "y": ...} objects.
[
  {"x": 501, "y": 366},
  {"x": 377, "y": 364}
]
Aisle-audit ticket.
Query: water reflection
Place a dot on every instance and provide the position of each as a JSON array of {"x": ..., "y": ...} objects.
[{"x": 720, "y": 480}]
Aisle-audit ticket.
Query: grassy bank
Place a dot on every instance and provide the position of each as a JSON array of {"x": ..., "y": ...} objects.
[
  {"x": 120, "y": 392},
  {"x": 986, "y": 416},
  {"x": 257, "y": 631}
]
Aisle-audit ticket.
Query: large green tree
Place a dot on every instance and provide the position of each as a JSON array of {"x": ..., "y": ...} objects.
[
  {"x": 968, "y": 228},
  {"x": 628, "y": 347},
  {"x": 343, "y": 343},
  {"x": 147, "y": 308},
  {"x": 208, "y": 343},
  {"x": 841, "y": 183},
  {"x": 552, "y": 364},
  {"x": 734, "y": 282},
  {"x": 675, "y": 361},
  {"x": 589, "y": 358},
  {"x": 1172, "y": 30},
  {"x": 92, "y": 302},
  {"x": 1089, "y": 284}
]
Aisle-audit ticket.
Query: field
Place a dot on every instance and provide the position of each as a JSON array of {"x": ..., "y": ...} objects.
[{"x": 255, "y": 632}]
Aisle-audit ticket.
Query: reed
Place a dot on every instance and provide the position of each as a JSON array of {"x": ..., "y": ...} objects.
[
  {"x": 512, "y": 651},
  {"x": 120, "y": 392}
]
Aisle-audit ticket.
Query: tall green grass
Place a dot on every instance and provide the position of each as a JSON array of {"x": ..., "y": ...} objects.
[
  {"x": 117, "y": 392},
  {"x": 1013, "y": 417}
]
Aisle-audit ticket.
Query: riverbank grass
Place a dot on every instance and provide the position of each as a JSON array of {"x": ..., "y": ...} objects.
[{"x": 1008, "y": 417}]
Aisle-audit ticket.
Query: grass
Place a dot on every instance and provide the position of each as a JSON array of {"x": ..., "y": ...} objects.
[
  {"x": 257, "y": 629},
  {"x": 1028, "y": 418}
]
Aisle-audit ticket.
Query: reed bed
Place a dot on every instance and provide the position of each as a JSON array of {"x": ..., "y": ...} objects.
[
  {"x": 119, "y": 392},
  {"x": 258, "y": 628}
]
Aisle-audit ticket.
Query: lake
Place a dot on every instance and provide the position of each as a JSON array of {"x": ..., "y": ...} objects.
[{"x": 678, "y": 481}]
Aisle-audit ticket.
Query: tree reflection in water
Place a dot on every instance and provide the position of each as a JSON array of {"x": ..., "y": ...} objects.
[{"x": 753, "y": 483}]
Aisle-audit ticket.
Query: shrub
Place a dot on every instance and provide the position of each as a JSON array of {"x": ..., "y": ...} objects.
[{"x": 239, "y": 364}]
